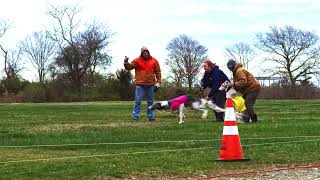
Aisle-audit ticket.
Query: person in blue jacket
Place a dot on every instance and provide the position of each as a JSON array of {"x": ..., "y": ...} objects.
[{"x": 213, "y": 78}]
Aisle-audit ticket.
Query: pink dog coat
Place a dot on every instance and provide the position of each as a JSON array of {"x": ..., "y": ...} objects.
[{"x": 175, "y": 103}]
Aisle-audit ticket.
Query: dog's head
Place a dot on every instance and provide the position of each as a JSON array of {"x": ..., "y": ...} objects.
[
  {"x": 231, "y": 91},
  {"x": 224, "y": 86},
  {"x": 163, "y": 105}
]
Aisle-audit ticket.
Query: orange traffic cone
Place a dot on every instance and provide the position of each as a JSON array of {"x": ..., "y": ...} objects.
[{"x": 230, "y": 149}]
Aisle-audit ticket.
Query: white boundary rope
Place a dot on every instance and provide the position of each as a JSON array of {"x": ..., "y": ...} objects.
[
  {"x": 144, "y": 152},
  {"x": 147, "y": 142},
  {"x": 285, "y": 142},
  {"x": 104, "y": 155},
  {"x": 111, "y": 143}
]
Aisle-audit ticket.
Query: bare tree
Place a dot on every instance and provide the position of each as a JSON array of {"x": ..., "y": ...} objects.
[
  {"x": 65, "y": 25},
  {"x": 39, "y": 48},
  {"x": 293, "y": 52},
  {"x": 4, "y": 26},
  {"x": 13, "y": 66},
  {"x": 12, "y": 69},
  {"x": 11, "y": 57},
  {"x": 93, "y": 42},
  {"x": 79, "y": 52},
  {"x": 185, "y": 58},
  {"x": 241, "y": 52}
]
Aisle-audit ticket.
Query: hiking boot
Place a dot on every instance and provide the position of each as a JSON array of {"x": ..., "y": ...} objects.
[
  {"x": 135, "y": 120},
  {"x": 254, "y": 118}
]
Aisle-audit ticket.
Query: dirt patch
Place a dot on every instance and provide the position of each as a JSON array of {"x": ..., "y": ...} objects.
[{"x": 310, "y": 171}]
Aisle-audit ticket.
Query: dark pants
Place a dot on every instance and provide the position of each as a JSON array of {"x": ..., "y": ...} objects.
[
  {"x": 219, "y": 98},
  {"x": 250, "y": 100}
]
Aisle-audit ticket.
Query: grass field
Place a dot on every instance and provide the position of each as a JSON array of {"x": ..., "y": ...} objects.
[{"x": 98, "y": 140}]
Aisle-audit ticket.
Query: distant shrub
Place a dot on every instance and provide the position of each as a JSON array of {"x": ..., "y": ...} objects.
[{"x": 34, "y": 92}]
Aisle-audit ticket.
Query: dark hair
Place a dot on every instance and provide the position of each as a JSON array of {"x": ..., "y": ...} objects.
[{"x": 209, "y": 63}]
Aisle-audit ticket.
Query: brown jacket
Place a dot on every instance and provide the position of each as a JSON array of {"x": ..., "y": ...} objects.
[
  {"x": 244, "y": 81},
  {"x": 147, "y": 72}
]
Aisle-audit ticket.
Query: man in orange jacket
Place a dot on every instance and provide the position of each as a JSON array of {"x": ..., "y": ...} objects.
[{"x": 147, "y": 78}]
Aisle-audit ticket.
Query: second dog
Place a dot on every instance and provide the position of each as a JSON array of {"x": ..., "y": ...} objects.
[{"x": 180, "y": 103}]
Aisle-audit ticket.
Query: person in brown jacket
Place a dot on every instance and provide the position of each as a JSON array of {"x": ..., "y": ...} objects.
[
  {"x": 147, "y": 80},
  {"x": 245, "y": 83}
]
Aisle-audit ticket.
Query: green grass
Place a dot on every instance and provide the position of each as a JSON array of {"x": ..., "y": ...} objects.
[{"x": 98, "y": 140}]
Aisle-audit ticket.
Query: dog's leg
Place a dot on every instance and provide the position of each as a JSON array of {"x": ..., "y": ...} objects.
[
  {"x": 181, "y": 113},
  {"x": 204, "y": 114},
  {"x": 201, "y": 106}
]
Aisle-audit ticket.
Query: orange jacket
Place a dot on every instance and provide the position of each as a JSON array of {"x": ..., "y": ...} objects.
[{"x": 147, "y": 72}]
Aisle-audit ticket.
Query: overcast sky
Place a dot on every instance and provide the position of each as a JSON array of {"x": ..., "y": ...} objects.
[{"x": 215, "y": 24}]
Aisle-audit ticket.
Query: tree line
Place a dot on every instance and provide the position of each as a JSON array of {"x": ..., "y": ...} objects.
[{"x": 68, "y": 59}]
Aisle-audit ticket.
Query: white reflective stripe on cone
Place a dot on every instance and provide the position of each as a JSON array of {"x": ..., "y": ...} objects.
[
  {"x": 230, "y": 114},
  {"x": 230, "y": 130}
]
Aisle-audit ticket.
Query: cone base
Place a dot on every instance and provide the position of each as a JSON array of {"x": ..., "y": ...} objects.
[{"x": 229, "y": 160}]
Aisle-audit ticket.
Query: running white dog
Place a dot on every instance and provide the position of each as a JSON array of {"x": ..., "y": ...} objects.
[
  {"x": 238, "y": 101},
  {"x": 180, "y": 103}
]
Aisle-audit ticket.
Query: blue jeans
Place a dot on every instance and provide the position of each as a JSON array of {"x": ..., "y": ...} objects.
[{"x": 140, "y": 91}]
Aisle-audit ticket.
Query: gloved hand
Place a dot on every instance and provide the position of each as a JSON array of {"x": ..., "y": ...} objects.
[
  {"x": 126, "y": 59},
  {"x": 156, "y": 87}
]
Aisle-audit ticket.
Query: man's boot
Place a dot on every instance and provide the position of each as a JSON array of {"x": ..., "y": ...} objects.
[
  {"x": 254, "y": 118},
  {"x": 246, "y": 118}
]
